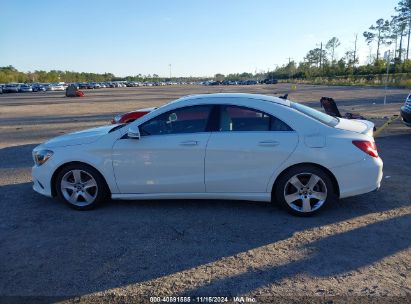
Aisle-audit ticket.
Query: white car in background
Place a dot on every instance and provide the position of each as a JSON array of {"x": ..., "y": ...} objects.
[
  {"x": 216, "y": 146},
  {"x": 55, "y": 87}
]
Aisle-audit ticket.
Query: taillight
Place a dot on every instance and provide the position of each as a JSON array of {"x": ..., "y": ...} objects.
[{"x": 368, "y": 147}]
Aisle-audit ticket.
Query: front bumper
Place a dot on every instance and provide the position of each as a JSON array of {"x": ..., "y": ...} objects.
[
  {"x": 41, "y": 180},
  {"x": 360, "y": 177}
]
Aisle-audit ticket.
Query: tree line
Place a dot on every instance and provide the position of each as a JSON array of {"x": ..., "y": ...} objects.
[
  {"x": 394, "y": 32},
  {"x": 11, "y": 74}
]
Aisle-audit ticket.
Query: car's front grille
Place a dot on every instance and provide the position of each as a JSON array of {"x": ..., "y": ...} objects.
[{"x": 408, "y": 105}]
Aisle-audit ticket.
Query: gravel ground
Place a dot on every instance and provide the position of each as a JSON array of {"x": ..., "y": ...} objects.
[{"x": 358, "y": 249}]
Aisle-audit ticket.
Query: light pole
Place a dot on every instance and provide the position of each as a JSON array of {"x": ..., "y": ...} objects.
[
  {"x": 321, "y": 57},
  {"x": 289, "y": 67},
  {"x": 272, "y": 75},
  {"x": 387, "y": 56}
]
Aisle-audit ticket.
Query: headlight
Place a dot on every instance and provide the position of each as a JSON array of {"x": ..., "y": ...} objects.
[
  {"x": 41, "y": 156},
  {"x": 117, "y": 118}
]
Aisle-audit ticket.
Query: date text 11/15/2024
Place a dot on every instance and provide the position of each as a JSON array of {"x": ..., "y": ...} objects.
[{"x": 205, "y": 299}]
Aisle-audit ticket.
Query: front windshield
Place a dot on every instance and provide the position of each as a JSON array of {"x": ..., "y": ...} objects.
[{"x": 320, "y": 116}]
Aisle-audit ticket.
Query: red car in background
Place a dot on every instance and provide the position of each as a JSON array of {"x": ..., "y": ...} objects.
[{"x": 131, "y": 116}]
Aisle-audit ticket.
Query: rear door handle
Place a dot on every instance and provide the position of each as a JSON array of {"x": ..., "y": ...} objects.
[
  {"x": 268, "y": 143},
  {"x": 189, "y": 143}
]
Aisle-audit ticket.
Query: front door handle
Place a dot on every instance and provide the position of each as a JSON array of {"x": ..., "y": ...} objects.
[
  {"x": 268, "y": 143},
  {"x": 189, "y": 143}
]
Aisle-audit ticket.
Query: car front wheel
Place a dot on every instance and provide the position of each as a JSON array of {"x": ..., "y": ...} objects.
[
  {"x": 304, "y": 190},
  {"x": 80, "y": 186}
]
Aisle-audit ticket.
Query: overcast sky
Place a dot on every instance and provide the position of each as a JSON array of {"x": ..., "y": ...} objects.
[{"x": 198, "y": 38}]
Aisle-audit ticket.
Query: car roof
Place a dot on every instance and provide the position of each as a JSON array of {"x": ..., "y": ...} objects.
[{"x": 257, "y": 97}]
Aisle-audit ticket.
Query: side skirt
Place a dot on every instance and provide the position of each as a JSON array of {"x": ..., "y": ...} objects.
[{"x": 259, "y": 197}]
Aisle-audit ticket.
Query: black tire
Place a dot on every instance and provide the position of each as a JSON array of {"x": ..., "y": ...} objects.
[
  {"x": 284, "y": 186},
  {"x": 99, "y": 194}
]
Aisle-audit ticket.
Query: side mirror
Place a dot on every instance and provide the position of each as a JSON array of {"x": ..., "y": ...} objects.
[{"x": 133, "y": 132}]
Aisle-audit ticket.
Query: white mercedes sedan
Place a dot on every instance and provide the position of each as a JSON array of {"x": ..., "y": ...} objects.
[{"x": 215, "y": 146}]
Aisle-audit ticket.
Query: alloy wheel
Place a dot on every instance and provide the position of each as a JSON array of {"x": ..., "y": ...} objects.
[
  {"x": 79, "y": 187},
  {"x": 305, "y": 192}
]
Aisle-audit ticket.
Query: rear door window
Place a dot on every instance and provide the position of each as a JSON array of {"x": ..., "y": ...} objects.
[{"x": 235, "y": 118}]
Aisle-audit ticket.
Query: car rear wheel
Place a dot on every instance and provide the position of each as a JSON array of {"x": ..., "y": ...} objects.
[
  {"x": 81, "y": 186},
  {"x": 304, "y": 190}
]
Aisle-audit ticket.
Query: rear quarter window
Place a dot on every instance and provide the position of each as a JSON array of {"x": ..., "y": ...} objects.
[{"x": 317, "y": 115}]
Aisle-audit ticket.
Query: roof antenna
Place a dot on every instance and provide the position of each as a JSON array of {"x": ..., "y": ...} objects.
[{"x": 284, "y": 96}]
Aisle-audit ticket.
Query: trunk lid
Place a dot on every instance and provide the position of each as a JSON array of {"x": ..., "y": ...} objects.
[{"x": 356, "y": 125}]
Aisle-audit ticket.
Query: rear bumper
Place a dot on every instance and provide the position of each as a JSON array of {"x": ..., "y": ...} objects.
[
  {"x": 406, "y": 116},
  {"x": 360, "y": 177}
]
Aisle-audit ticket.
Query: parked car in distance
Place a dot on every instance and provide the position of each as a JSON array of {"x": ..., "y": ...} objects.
[
  {"x": 25, "y": 88},
  {"x": 83, "y": 86},
  {"x": 131, "y": 116},
  {"x": 11, "y": 88},
  {"x": 215, "y": 146},
  {"x": 37, "y": 87},
  {"x": 251, "y": 82},
  {"x": 270, "y": 81},
  {"x": 94, "y": 85},
  {"x": 55, "y": 87},
  {"x": 406, "y": 111},
  {"x": 75, "y": 84}
]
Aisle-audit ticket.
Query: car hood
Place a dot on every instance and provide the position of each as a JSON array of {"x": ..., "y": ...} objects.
[
  {"x": 80, "y": 137},
  {"x": 356, "y": 125}
]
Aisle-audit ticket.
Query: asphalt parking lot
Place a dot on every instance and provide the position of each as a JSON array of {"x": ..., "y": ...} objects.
[{"x": 359, "y": 247}]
